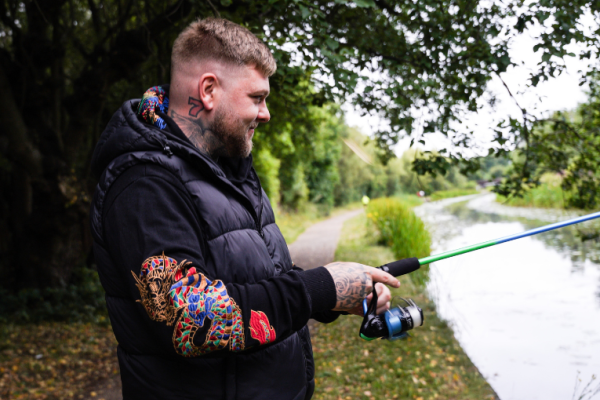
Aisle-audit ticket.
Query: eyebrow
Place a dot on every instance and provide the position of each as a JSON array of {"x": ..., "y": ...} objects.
[{"x": 264, "y": 93}]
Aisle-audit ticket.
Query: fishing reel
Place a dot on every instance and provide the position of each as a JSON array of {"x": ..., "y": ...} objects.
[
  {"x": 393, "y": 324},
  {"x": 397, "y": 321}
]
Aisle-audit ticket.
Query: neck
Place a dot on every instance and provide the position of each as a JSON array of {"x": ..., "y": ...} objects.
[{"x": 198, "y": 130}]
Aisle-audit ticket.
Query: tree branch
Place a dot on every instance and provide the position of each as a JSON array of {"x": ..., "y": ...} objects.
[
  {"x": 215, "y": 11},
  {"x": 95, "y": 16}
]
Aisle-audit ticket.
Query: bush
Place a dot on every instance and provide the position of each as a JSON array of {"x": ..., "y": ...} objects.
[
  {"x": 402, "y": 231},
  {"x": 446, "y": 194},
  {"x": 80, "y": 301},
  {"x": 548, "y": 195}
]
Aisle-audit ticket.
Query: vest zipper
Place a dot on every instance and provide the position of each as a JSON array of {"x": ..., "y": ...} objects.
[{"x": 261, "y": 232}]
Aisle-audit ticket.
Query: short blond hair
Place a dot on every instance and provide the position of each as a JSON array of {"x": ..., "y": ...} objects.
[{"x": 222, "y": 40}]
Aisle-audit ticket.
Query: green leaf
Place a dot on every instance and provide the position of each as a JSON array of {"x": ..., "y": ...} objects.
[
  {"x": 364, "y": 3},
  {"x": 546, "y": 57},
  {"x": 305, "y": 11},
  {"x": 332, "y": 44}
]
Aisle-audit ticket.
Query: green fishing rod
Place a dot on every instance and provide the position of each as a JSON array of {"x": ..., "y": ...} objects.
[{"x": 395, "y": 323}]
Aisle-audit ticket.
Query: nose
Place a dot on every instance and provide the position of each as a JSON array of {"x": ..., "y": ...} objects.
[{"x": 263, "y": 113}]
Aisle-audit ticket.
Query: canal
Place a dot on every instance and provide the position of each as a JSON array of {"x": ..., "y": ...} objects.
[{"x": 526, "y": 312}]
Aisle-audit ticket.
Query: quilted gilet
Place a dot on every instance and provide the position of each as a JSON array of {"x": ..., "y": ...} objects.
[{"x": 242, "y": 244}]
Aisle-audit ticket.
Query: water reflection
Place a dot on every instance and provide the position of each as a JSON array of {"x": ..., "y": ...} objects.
[
  {"x": 567, "y": 240},
  {"x": 527, "y": 312}
]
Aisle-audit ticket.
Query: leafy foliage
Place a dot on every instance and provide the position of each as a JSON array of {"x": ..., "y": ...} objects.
[
  {"x": 402, "y": 231},
  {"x": 411, "y": 182},
  {"x": 548, "y": 194},
  {"x": 446, "y": 194},
  {"x": 80, "y": 301},
  {"x": 566, "y": 143},
  {"x": 65, "y": 66}
]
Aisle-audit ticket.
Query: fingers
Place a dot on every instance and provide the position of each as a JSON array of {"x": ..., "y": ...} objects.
[
  {"x": 354, "y": 282},
  {"x": 379, "y": 276},
  {"x": 384, "y": 308},
  {"x": 384, "y": 296}
]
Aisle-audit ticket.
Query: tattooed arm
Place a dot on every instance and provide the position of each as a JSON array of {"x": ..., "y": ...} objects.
[{"x": 353, "y": 282}]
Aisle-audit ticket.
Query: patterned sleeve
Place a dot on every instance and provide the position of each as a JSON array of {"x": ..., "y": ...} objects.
[
  {"x": 177, "y": 294},
  {"x": 160, "y": 248}
]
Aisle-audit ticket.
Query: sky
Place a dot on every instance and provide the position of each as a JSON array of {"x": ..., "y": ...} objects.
[{"x": 561, "y": 93}]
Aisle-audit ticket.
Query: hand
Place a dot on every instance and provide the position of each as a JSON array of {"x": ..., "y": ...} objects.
[
  {"x": 383, "y": 301},
  {"x": 353, "y": 282}
]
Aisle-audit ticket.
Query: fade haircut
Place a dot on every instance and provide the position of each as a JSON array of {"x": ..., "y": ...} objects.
[{"x": 222, "y": 40}]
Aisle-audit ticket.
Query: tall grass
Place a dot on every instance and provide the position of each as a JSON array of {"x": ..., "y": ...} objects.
[
  {"x": 402, "y": 231},
  {"x": 543, "y": 196},
  {"x": 548, "y": 195},
  {"x": 410, "y": 200},
  {"x": 446, "y": 194}
]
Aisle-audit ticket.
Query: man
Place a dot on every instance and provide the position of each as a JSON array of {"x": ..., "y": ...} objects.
[{"x": 203, "y": 297}]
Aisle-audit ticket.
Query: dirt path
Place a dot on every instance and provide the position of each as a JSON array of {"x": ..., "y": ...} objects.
[
  {"x": 316, "y": 246},
  {"x": 313, "y": 248}
]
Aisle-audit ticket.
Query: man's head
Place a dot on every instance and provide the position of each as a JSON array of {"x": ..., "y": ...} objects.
[{"x": 219, "y": 83}]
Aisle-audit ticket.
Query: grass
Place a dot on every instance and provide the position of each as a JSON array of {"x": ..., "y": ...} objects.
[
  {"x": 429, "y": 365},
  {"x": 544, "y": 196},
  {"x": 54, "y": 360},
  {"x": 410, "y": 200},
  {"x": 548, "y": 195},
  {"x": 64, "y": 360},
  {"x": 58, "y": 360},
  {"x": 293, "y": 223},
  {"x": 446, "y": 194}
]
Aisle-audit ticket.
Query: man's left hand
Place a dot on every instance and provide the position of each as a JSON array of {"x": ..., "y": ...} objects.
[{"x": 383, "y": 300}]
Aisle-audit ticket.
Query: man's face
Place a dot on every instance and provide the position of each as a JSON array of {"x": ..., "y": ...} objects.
[{"x": 240, "y": 109}]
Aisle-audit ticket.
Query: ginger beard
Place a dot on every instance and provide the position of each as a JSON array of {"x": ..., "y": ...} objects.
[{"x": 233, "y": 132}]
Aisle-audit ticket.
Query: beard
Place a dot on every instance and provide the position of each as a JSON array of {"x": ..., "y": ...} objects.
[{"x": 232, "y": 133}]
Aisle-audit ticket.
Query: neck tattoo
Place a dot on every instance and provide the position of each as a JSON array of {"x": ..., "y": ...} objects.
[
  {"x": 197, "y": 106},
  {"x": 198, "y": 130}
]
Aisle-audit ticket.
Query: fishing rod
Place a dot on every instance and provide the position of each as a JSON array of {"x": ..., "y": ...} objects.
[{"x": 397, "y": 321}]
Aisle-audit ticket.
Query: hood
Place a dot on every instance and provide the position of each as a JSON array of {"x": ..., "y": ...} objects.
[{"x": 126, "y": 133}]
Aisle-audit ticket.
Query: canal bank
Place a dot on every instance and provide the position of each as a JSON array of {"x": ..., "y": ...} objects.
[
  {"x": 527, "y": 312},
  {"x": 429, "y": 365}
]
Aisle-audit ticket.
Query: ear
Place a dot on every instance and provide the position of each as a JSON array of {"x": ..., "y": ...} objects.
[{"x": 208, "y": 86}]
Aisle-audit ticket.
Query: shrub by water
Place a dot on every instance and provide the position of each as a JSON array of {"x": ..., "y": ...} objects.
[{"x": 402, "y": 231}]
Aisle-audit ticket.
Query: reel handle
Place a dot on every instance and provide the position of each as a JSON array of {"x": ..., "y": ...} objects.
[{"x": 401, "y": 267}]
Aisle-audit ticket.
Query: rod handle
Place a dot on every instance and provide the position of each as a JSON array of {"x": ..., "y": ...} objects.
[{"x": 401, "y": 267}]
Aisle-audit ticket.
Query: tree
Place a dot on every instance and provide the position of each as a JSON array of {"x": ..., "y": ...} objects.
[
  {"x": 537, "y": 142},
  {"x": 66, "y": 65},
  {"x": 566, "y": 143}
]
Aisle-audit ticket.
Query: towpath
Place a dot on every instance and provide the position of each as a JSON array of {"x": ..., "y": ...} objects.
[{"x": 316, "y": 246}]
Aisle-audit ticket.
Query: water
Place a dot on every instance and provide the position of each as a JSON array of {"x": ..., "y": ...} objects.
[{"x": 526, "y": 312}]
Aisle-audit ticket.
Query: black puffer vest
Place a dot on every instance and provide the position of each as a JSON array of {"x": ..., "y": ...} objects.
[{"x": 242, "y": 245}]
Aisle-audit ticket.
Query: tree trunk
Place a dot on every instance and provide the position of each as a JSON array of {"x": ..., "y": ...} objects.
[{"x": 50, "y": 123}]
